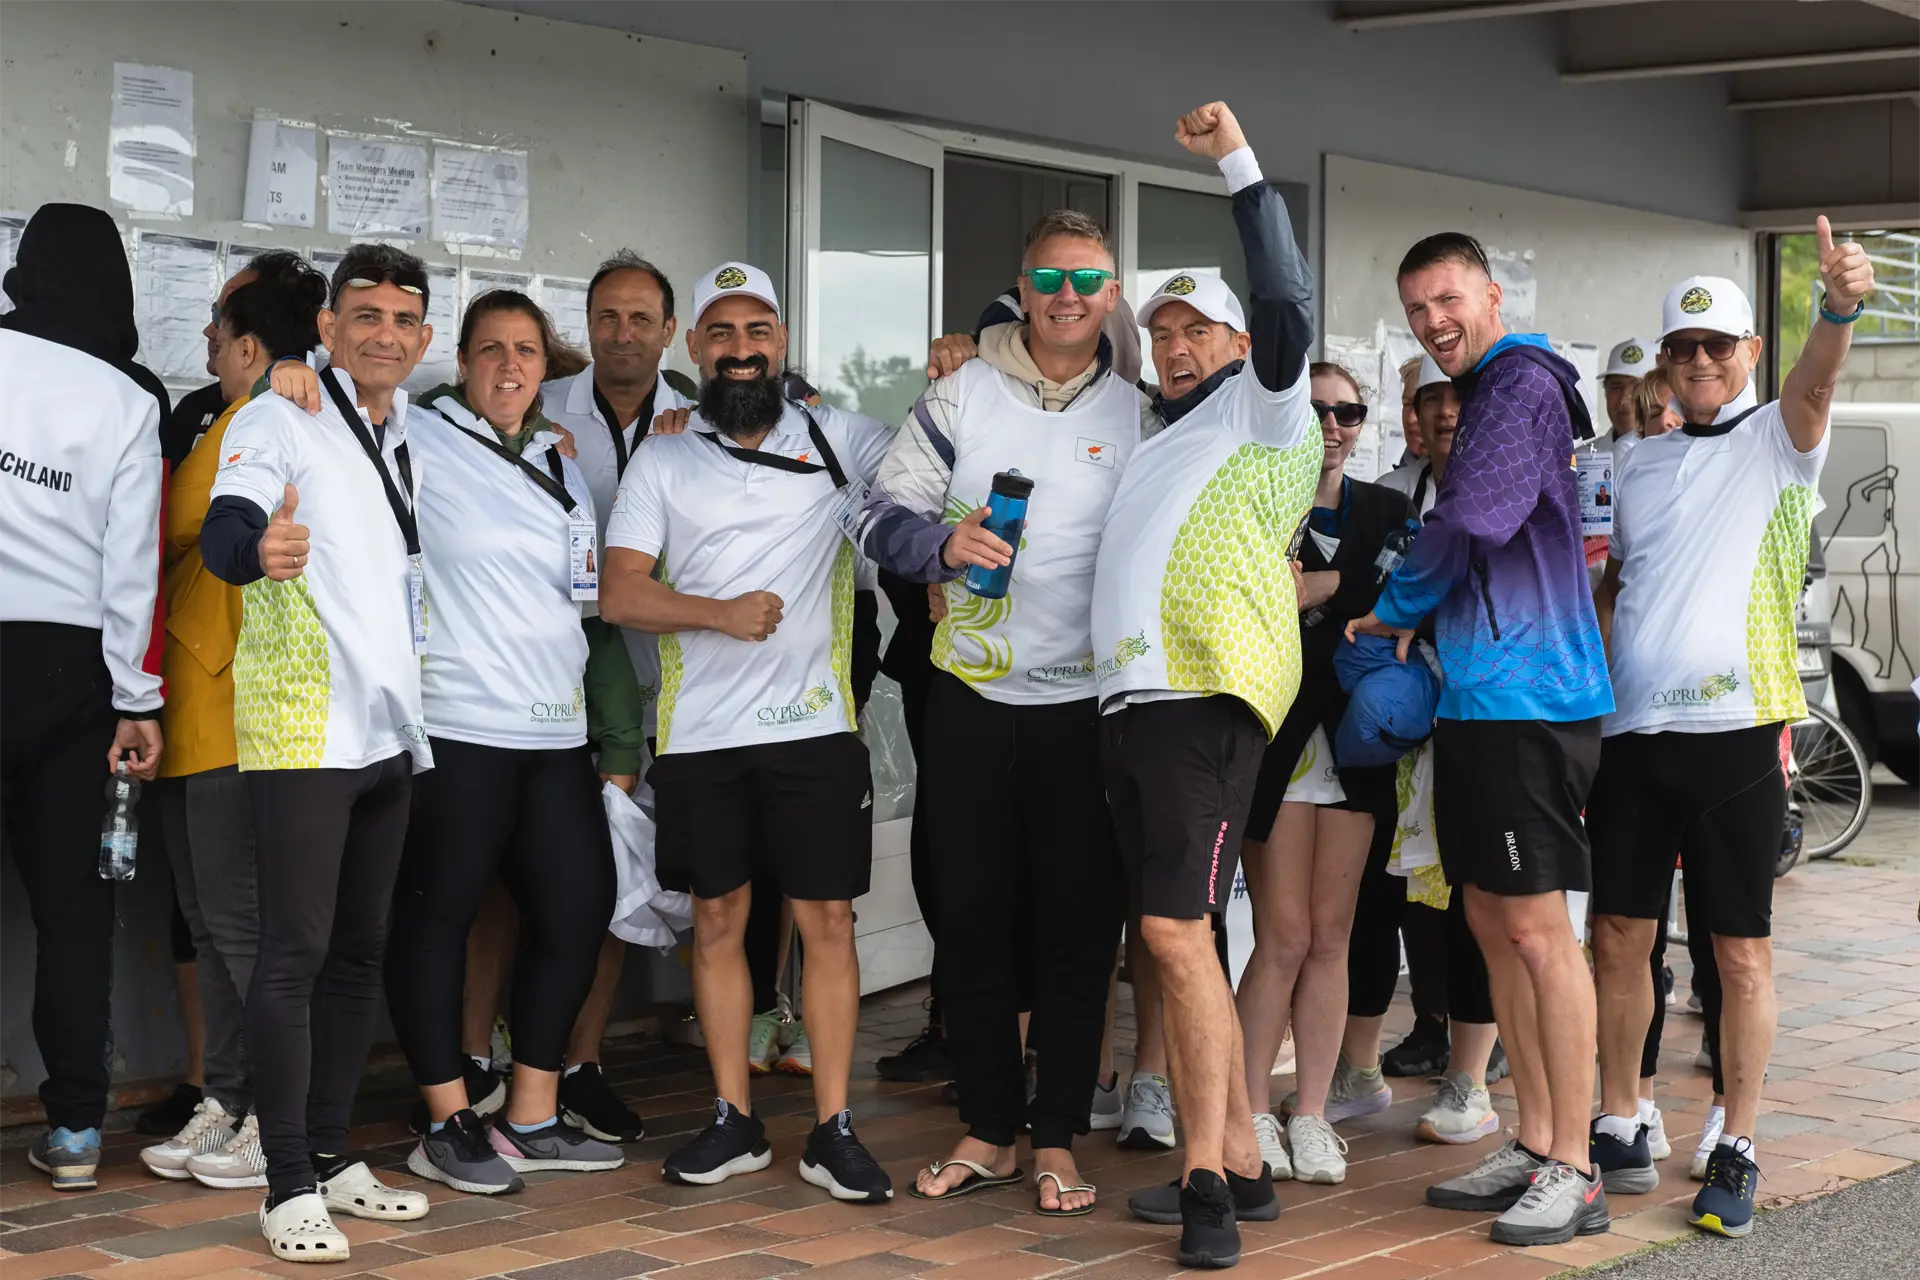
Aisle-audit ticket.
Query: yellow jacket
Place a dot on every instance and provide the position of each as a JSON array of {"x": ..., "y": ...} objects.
[{"x": 203, "y": 623}]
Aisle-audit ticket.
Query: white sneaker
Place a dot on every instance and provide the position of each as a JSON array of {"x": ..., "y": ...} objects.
[
  {"x": 1319, "y": 1154},
  {"x": 1273, "y": 1149},
  {"x": 300, "y": 1231},
  {"x": 241, "y": 1163},
  {"x": 1462, "y": 1112},
  {"x": 208, "y": 1129},
  {"x": 1353, "y": 1092},
  {"x": 1657, "y": 1144},
  {"x": 1284, "y": 1062},
  {"x": 1709, "y": 1139}
]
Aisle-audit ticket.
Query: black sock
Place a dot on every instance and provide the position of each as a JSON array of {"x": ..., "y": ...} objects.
[
  {"x": 1530, "y": 1151},
  {"x": 327, "y": 1168},
  {"x": 277, "y": 1198}
]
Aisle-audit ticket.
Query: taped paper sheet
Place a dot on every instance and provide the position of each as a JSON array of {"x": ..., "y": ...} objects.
[
  {"x": 150, "y": 141},
  {"x": 376, "y": 187},
  {"x": 1520, "y": 288},
  {"x": 439, "y": 364},
  {"x": 238, "y": 256},
  {"x": 479, "y": 282},
  {"x": 175, "y": 282},
  {"x": 283, "y": 170},
  {"x": 480, "y": 197},
  {"x": 11, "y": 225},
  {"x": 565, "y": 301}
]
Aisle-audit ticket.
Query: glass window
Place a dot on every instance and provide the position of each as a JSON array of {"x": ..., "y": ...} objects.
[
  {"x": 770, "y": 209},
  {"x": 1893, "y": 312},
  {"x": 874, "y": 280},
  {"x": 990, "y": 206},
  {"x": 1856, "y": 484}
]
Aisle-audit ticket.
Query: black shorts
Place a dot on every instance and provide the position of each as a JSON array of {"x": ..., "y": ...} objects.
[
  {"x": 1179, "y": 776},
  {"x": 1507, "y": 796},
  {"x": 1715, "y": 801},
  {"x": 1368, "y": 790},
  {"x": 801, "y": 812}
]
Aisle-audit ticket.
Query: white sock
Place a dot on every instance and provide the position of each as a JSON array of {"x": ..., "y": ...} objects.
[
  {"x": 1715, "y": 1116},
  {"x": 570, "y": 1070},
  {"x": 482, "y": 1061},
  {"x": 1752, "y": 1152},
  {"x": 1622, "y": 1127},
  {"x": 1648, "y": 1111}
]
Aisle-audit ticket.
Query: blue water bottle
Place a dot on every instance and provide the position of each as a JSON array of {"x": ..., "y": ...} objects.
[{"x": 1006, "y": 520}]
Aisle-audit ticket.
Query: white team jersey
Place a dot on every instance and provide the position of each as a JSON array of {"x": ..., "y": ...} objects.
[
  {"x": 1035, "y": 644},
  {"x": 1618, "y": 446},
  {"x": 325, "y": 676},
  {"x": 506, "y": 659},
  {"x": 1711, "y": 533},
  {"x": 569, "y": 402},
  {"x": 720, "y": 528},
  {"x": 1406, "y": 479},
  {"x": 1192, "y": 593},
  {"x": 80, "y": 518}
]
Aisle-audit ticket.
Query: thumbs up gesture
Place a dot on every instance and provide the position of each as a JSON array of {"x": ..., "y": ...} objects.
[
  {"x": 1845, "y": 272},
  {"x": 283, "y": 547}
]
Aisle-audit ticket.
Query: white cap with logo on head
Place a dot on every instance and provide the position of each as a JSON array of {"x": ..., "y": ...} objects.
[
  {"x": 1206, "y": 294},
  {"x": 733, "y": 279},
  {"x": 1713, "y": 303},
  {"x": 1632, "y": 358},
  {"x": 1431, "y": 375}
]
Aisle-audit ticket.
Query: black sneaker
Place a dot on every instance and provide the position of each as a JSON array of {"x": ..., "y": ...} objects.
[
  {"x": 925, "y": 1058},
  {"x": 587, "y": 1104},
  {"x": 1209, "y": 1236},
  {"x": 1626, "y": 1168},
  {"x": 734, "y": 1143},
  {"x": 950, "y": 1093},
  {"x": 1425, "y": 1052},
  {"x": 837, "y": 1163},
  {"x": 1253, "y": 1200},
  {"x": 486, "y": 1094},
  {"x": 1725, "y": 1205},
  {"x": 170, "y": 1115}
]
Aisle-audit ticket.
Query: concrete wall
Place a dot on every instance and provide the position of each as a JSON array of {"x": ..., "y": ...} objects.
[{"x": 1881, "y": 373}]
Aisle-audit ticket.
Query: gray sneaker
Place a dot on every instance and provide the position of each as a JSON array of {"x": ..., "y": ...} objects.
[
  {"x": 1147, "y": 1122},
  {"x": 557, "y": 1146},
  {"x": 1353, "y": 1092},
  {"x": 462, "y": 1156},
  {"x": 1496, "y": 1183},
  {"x": 1562, "y": 1203},
  {"x": 1106, "y": 1105}
]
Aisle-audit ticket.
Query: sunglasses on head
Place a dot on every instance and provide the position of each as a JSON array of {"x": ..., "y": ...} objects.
[
  {"x": 396, "y": 280},
  {"x": 1346, "y": 412},
  {"x": 1086, "y": 280},
  {"x": 1719, "y": 347}
]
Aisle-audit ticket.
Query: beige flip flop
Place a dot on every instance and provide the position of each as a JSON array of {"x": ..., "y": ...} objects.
[
  {"x": 1060, "y": 1190},
  {"x": 984, "y": 1179}
]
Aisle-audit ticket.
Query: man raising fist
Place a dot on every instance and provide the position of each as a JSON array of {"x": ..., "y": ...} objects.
[{"x": 1709, "y": 550}]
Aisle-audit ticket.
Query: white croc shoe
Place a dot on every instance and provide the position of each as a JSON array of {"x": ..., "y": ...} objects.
[
  {"x": 354, "y": 1190},
  {"x": 300, "y": 1231}
]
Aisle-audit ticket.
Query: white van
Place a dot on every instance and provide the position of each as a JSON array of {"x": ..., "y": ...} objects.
[{"x": 1872, "y": 474}]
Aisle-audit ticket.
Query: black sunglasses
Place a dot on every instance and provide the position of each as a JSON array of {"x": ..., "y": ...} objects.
[
  {"x": 1681, "y": 350},
  {"x": 1346, "y": 413}
]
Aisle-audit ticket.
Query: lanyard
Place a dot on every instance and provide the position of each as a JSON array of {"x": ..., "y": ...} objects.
[
  {"x": 553, "y": 486},
  {"x": 828, "y": 462},
  {"x": 1339, "y": 514},
  {"x": 644, "y": 420},
  {"x": 402, "y": 513}
]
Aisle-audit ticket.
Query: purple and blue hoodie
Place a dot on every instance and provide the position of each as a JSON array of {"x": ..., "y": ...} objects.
[{"x": 1499, "y": 561}]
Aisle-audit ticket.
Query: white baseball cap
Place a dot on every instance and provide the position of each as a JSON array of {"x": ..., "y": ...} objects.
[
  {"x": 1713, "y": 303},
  {"x": 1431, "y": 375},
  {"x": 733, "y": 279},
  {"x": 1207, "y": 294},
  {"x": 1632, "y": 358}
]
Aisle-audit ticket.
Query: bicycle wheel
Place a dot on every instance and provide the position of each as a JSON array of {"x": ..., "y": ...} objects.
[{"x": 1830, "y": 783}]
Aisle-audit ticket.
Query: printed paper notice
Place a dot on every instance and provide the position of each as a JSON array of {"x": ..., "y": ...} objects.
[
  {"x": 376, "y": 187},
  {"x": 480, "y": 197},
  {"x": 283, "y": 167},
  {"x": 479, "y": 282},
  {"x": 238, "y": 256},
  {"x": 566, "y": 301},
  {"x": 150, "y": 140},
  {"x": 443, "y": 313},
  {"x": 175, "y": 282},
  {"x": 11, "y": 225},
  {"x": 1513, "y": 270}
]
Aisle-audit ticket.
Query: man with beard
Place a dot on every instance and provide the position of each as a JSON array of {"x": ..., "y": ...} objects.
[{"x": 731, "y": 542}]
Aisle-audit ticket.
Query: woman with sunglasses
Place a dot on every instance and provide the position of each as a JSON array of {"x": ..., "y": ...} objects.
[
  {"x": 506, "y": 525},
  {"x": 1311, "y": 823}
]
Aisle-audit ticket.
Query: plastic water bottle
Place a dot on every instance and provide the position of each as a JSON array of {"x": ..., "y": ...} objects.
[
  {"x": 1006, "y": 520},
  {"x": 120, "y": 831},
  {"x": 1394, "y": 550}
]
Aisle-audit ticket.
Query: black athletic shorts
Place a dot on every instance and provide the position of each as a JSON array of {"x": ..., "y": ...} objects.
[
  {"x": 1179, "y": 776},
  {"x": 801, "y": 812},
  {"x": 1715, "y": 801},
  {"x": 1368, "y": 790},
  {"x": 1507, "y": 796}
]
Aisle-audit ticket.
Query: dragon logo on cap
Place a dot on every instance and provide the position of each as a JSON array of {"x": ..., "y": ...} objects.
[
  {"x": 1632, "y": 354},
  {"x": 729, "y": 278},
  {"x": 1695, "y": 300},
  {"x": 1180, "y": 286}
]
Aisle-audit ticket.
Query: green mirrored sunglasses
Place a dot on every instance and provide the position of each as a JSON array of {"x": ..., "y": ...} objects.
[{"x": 1086, "y": 281}]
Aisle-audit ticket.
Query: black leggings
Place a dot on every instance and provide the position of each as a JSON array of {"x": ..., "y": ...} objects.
[
  {"x": 533, "y": 818},
  {"x": 1373, "y": 954},
  {"x": 328, "y": 846},
  {"x": 1033, "y": 802}
]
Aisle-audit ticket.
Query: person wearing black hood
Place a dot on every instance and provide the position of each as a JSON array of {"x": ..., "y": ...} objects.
[{"x": 79, "y": 574}]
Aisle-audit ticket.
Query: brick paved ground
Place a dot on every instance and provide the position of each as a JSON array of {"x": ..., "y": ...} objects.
[{"x": 1843, "y": 1104}]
